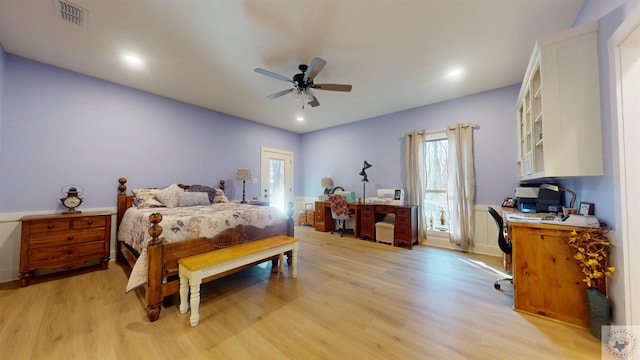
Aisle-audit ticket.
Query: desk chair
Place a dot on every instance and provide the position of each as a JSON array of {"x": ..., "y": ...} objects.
[
  {"x": 504, "y": 245},
  {"x": 340, "y": 212}
]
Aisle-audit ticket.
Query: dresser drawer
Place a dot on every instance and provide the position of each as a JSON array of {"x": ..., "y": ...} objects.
[
  {"x": 65, "y": 256},
  {"x": 77, "y": 223},
  {"x": 48, "y": 226},
  {"x": 90, "y": 222},
  {"x": 66, "y": 238},
  {"x": 403, "y": 212},
  {"x": 385, "y": 209}
]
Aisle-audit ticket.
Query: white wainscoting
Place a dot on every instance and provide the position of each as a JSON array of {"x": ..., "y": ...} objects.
[{"x": 485, "y": 233}]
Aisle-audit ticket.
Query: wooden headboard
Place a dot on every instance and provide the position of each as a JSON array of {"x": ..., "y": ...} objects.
[{"x": 126, "y": 201}]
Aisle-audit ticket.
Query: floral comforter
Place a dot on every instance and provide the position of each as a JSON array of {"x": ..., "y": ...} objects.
[{"x": 184, "y": 223}]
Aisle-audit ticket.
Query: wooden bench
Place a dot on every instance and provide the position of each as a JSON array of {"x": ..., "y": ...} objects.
[{"x": 194, "y": 269}]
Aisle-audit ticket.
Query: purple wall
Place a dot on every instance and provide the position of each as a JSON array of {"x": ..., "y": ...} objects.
[
  {"x": 116, "y": 131},
  {"x": 339, "y": 152},
  {"x": 60, "y": 127},
  {"x": 600, "y": 190}
]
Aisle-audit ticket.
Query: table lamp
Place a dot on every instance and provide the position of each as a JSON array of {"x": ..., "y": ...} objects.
[
  {"x": 244, "y": 175},
  {"x": 327, "y": 184}
]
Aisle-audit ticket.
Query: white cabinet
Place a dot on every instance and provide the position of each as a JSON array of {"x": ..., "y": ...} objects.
[{"x": 559, "y": 131}]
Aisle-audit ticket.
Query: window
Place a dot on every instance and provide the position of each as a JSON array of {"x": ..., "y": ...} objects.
[{"x": 435, "y": 197}]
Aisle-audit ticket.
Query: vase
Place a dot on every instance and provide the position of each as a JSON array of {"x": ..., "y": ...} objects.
[{"x": 599, "y": 311}]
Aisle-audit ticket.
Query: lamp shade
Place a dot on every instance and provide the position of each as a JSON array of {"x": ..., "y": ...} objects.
[
  {"x": 326, "y": 182},
  {"x": 244, "y": 174}
]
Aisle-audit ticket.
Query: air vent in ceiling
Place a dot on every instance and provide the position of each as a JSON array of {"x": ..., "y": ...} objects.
[{"x": 71, "y": 12}]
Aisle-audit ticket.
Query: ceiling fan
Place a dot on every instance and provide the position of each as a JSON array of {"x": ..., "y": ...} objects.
[{"x": 303, "y": 82}]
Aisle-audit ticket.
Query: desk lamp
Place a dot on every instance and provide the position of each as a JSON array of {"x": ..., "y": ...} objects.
[
  {"x": 243, "y": 175},
  {"x": 365, "y": 180}
]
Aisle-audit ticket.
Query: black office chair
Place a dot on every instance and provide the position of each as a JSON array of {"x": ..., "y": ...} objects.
[{"x": 504, "y": 245}]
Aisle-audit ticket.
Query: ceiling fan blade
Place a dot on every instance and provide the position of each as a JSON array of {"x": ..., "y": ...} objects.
[
  {"x": 332, "y": 87},
  {"x": 273, "y": 75},
  {"x": 279, "y": 93},
  {"x": 314, "y": 102},
  {"x": 316, "y": 66}
]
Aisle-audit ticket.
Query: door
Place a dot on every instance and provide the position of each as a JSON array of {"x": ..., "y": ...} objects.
[{"x": 276, "y": 177}]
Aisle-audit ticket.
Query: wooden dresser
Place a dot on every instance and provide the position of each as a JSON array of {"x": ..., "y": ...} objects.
[{"x": 63, "y": 241}]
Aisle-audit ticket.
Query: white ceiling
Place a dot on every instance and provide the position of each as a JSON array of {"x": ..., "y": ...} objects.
[{"x": 395, "y": 53}]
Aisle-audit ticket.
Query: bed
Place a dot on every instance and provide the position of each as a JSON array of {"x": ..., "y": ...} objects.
[{"x": 153, "y": 252}]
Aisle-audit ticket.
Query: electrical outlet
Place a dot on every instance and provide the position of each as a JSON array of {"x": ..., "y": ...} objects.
[{"x": 255, "y": 180}]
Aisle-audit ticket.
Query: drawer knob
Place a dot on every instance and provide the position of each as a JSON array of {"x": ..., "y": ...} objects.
[
  {"x": 69, "y": 252},
  {"x": 90, "y": 222},
  {"x": 50, "y": 226},
  {"x": 69, "y": 237}
]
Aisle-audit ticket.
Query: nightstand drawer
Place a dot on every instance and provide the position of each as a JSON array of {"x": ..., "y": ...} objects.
[
  {"x": 66, "y": 238},
  {"x": 65, "y": 256}
]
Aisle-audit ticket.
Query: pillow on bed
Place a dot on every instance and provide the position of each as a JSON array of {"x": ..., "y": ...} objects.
[
  {"x": 193, "y": 199},
  {"x": 146, "y": 198},
  {"x": 220, "y": 197},
  {"x": 169, "y": 195},
  {"x": 211, "y": 192}
]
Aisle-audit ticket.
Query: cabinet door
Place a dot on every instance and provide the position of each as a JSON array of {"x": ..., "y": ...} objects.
[{"x": 547, "y": 281}]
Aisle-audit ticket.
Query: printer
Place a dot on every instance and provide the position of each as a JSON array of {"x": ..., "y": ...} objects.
[
  {"x": 388, "y": 196},
  {"x": 527, "y": 197}
]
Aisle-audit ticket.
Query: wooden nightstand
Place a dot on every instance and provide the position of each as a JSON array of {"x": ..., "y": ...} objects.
[{"x": 63, "y": 241}]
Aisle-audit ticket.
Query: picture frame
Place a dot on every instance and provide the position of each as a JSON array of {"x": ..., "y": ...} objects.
[
  {"x": 509, "y": 202},
  {"x": 586, "y": 208}
]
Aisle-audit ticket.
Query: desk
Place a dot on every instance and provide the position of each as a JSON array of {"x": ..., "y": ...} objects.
[
  {"x": 366, "y": 216},
  {"x": 546, "y": 279},
  {"x": 405, "y": 230},
  {"x": 324, "y": 221}
]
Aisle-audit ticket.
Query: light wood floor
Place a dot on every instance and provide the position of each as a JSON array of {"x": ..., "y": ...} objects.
[{"x": 353, "y": 299}]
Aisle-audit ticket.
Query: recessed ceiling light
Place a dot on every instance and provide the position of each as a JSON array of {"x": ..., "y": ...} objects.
[
  {"x": 300, "y": 118},
  {"x": 133, "y": 60},
  {"x": 455, "y": 73}
]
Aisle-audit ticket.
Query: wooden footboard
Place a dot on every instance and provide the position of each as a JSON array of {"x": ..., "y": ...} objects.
[{"x": 163, "y": 258}]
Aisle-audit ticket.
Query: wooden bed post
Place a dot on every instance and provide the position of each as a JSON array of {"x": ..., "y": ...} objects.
[
  {"x": 290, "y": 219},
  {"x": 121, "y": 208},
  {"x": 153, "y": 290}
]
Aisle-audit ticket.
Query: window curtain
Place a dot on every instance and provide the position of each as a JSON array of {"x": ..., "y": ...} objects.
[
  {"x": 416, "y": 176},
  {"x": 461, "y": 185}
]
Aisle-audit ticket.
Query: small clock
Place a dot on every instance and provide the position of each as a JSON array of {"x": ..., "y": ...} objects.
[{"x": 71, "y": 201}]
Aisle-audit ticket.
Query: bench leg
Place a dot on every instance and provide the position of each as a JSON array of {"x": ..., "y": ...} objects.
[
  {"x": 194, "y": 299},
  {"x": 281, "y": 263},
  {"x": 294, "y": 261},
  {"x": 184, "y": 293}
]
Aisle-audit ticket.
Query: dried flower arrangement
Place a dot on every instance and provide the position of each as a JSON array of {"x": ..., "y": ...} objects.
[{"x": 591, "y": 248}]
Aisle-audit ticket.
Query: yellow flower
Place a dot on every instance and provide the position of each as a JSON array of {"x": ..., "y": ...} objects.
[{"x": 590, "y": 247}]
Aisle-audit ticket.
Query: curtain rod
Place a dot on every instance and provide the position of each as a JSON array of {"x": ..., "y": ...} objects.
[{"x": 431, "y": 132}]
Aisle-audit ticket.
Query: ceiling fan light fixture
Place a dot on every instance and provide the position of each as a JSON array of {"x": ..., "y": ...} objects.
[
  {"x": 308, "y": 95},
  {"x": 303, "y": 82}
]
